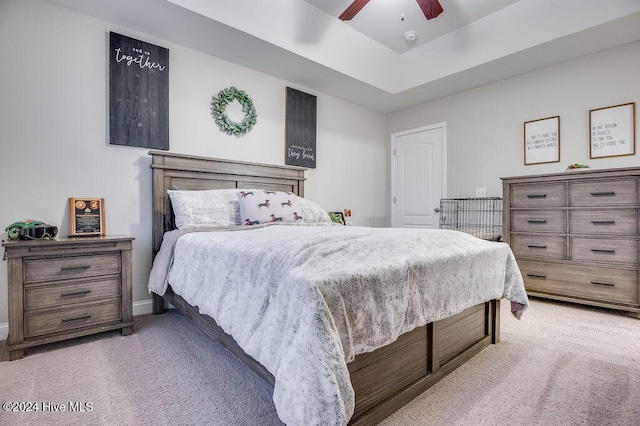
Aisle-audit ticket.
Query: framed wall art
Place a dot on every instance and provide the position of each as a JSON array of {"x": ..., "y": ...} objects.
[
  {"x": 612, "y": 131},
  {"x": 337, "y": 217},
  {"x": 542, "y": 141},
  {"x": 86, "y": 217}
]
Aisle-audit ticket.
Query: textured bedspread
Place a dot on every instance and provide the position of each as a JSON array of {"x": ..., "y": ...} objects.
[{"x": 305, "y": 300}]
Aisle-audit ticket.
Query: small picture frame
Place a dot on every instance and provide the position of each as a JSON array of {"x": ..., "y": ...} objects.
[
  {"x": 612, "y": 131},
  {"x": 347, "y": 217},
  {"x": 337, "y": 217},
  {"x": 542, "y": 141},
  {"x": 86, "y": 217}
]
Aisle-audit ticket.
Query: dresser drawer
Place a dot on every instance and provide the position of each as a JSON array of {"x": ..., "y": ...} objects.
[
  {"x": 604, "y": 250},
  {"x": 62, "y": 320},
  {"x": 539, "y": 195},
  {"x": 539, "y": 246},
  {"x": 603, "y": 284},
  {"x": 604, "y": 222},
  {"x": 538, "y": 221},
  {"x": 604, "y": 193},
  {"x": 37, "y": 297},
  {"x": 71, "y": 267}
]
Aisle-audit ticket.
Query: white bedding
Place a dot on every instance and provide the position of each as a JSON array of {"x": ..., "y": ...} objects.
[{"x": 305, "y": 300}]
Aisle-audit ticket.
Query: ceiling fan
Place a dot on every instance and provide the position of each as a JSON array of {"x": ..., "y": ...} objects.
[{"x": 430, "y": 8}]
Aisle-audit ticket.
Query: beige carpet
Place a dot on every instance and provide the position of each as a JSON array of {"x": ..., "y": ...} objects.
[{"x": 560, "y": 365}]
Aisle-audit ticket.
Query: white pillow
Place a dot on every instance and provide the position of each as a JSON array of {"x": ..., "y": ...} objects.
[
  {"x": 263, "y": 206},
  {"x": 311, "y": 212},
  {"x": 198, "y": 209}
]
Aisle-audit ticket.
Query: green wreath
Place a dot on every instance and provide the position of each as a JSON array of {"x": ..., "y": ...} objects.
[{"x": 219, "y": 106}]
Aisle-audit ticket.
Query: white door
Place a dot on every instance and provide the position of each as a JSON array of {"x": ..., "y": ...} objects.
[{"x": 418, "y": 176}]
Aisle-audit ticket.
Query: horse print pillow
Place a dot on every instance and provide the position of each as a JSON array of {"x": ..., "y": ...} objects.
[{"x": 261, "y": 206}]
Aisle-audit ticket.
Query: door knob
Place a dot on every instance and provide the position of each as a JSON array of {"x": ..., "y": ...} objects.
[{"x": 437, "y": 210}]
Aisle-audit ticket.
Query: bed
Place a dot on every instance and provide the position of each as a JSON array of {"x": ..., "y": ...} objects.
[{"x": 380, "y": 380}]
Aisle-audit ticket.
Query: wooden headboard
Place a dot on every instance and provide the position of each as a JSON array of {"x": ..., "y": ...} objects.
[{"x": 180, "y": 171}]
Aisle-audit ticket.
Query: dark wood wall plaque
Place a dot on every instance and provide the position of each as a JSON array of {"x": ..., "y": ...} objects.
[
  {"x": 138, "y": 93},
  {"x": 300, "y": 129},
  {"x": 86, "y": 217}
]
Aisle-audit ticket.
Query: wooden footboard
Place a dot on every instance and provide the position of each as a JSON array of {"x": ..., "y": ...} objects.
[{"x": 388, "y": 378}]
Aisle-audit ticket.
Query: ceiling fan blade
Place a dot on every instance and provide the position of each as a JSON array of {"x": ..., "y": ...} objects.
[
  {"x": 352, "y": 10},
  {"x": 430, "y": 8}
]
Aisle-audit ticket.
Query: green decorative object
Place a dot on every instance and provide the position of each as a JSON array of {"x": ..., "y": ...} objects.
[
  {"x": 576, "y": 166},
  {"x": 219, "y": 107},
  {"x": 336, "y": 217}
]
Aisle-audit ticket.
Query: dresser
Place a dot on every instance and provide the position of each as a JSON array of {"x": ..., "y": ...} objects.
[
  {"x": 66, "y": 288},
  {"x": 575, "y": 235}
]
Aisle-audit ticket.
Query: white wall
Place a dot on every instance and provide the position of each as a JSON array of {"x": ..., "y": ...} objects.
[
  {"x": 54, "y": 123},
  {"x": 485, "y": 125}
]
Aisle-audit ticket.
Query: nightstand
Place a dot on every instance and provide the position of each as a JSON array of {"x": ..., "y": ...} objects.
[{"x": 66, "y": 288}]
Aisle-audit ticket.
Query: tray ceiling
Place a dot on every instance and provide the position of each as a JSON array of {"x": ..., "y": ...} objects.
[{"x": 303, "y": 42}]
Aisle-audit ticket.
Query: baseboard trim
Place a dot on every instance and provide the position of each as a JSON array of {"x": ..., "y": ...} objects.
[
  {"x": 143, "y": 307},
  {"x": 139, "y": 308}
]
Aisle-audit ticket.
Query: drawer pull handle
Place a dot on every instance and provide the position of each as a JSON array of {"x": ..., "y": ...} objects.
[
  {"x": 537, "y": 246},
  {"x": 603, "y": 222},
  {"x": 603, "y": 283},
  {"x": 81, "y": 317},
  {"x": 75, "y": 293},
  {"x": 603, "y": 194},
  {"x": 537, "y": 221},
  {"x": 74, "y": 268},
  {"x": 536, "y": 195},
  {"x": 544, "y": 277},
  {"x": 603, "y": 251}
]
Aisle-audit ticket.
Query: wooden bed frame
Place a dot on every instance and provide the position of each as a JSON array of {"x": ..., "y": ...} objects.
[{"x": 383, "y": 380}]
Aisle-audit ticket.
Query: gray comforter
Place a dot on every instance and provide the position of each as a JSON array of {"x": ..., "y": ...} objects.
[{"x": 305, "y": 300}]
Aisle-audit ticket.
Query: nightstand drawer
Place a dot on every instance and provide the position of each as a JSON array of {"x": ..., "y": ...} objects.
[
  {"x": 36, "y": 297},
  {"x": 71, "y": 267},
  {"x": 605, "y": 193},
  {"x": 62, "y": 320}
]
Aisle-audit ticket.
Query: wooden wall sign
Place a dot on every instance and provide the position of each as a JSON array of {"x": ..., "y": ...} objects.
[
  {"x": 300, "y": 129},
  {"x": 138, "y": 93},
  {"x": 542, "y": 141},
  {"x": 612, "y": 131}
]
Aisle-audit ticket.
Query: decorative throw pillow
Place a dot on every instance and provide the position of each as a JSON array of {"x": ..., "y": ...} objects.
[
  {"x": 261, "y": 206},
  {"x": 198, "y": 209},
  {"x": 311, "y": 212}
]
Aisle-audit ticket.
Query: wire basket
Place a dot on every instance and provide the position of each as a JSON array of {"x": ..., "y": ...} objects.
[{"x": 480, "y": 217}]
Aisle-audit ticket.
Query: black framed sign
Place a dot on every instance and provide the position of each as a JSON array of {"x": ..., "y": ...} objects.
[
  {"x": 300, "y": 129},
  {"x": 138, "y": 93}
]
